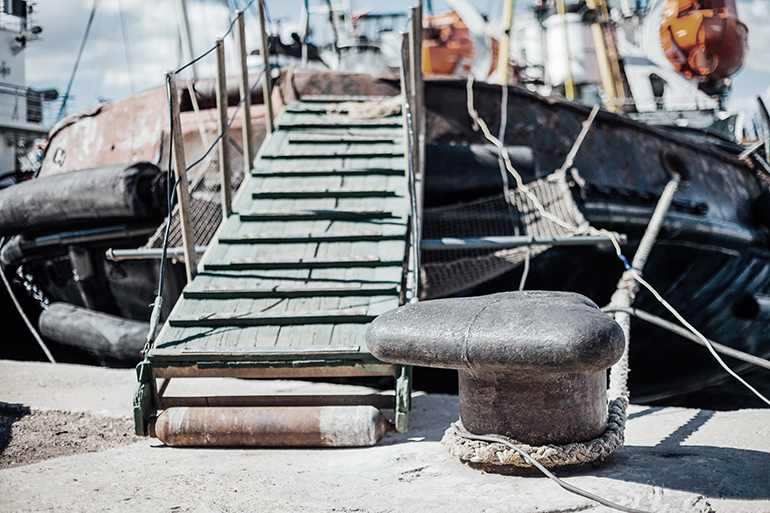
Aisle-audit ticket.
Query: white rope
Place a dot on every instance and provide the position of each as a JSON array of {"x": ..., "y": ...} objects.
[
  {"x": 560, "y": 174},
  {"x": 698, "y": 334},
  {"x": 479, "y": 123},
  {"x": 23, "y": 315}
]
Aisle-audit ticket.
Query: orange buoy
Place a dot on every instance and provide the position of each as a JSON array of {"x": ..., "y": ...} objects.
[
  {"x": 704, "y": 39},
  {"x": 448, "y": 46}
]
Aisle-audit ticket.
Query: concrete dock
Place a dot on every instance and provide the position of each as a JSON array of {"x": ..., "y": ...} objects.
[{"x": 674, "y": 460}]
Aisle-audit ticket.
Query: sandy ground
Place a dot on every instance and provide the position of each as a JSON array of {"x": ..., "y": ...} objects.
[{"x": 674, "y": 460}]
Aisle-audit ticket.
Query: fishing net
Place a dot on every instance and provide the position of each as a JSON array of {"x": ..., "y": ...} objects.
[
  {"x": 205, "y": 206},
  {"x": 446, "y": 272}
]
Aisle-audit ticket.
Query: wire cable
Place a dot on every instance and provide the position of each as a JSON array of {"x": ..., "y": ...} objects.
[
  {"x": 127, "y": 46},
  {"x": 23, "y": 315},
  {"x": 674, "y": 328},
  {"x": 548, "y": 473},
  {"x": 77, "y": 60},
  {"x": 207, "y": 52},
  {"x": 698, "y": 334}
]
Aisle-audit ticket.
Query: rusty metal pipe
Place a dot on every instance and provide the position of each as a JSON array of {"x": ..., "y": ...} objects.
[{"x": 301, "y": 426}]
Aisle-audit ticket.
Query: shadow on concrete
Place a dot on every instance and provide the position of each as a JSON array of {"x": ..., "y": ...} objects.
[
  {"x": 9, "y": 414},
  {"x": 714, "y": 472}
]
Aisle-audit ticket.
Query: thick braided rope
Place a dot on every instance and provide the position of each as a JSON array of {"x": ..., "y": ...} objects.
[{"x": 597, "y": 449}]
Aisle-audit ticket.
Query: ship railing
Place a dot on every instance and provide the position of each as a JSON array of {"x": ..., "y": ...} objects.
[
  {"x": 176, "y": 164},
  {"x": 177, "y": 156},
  {"x": 412, "y": 91},
  {"x": 25, "y": 105}
]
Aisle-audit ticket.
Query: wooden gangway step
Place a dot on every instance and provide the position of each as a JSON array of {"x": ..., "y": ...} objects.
[
  {"x": 303, "y": 263},
  {"x": 305, "y": 215},
  {"x": 341, "y": 153},
  {"x": 295, "y": 318},
  {"x": 320, "y": 171},
  {"x": 329, "y": 192},
  {"x": 281, "y": 292},
  {"x": 327, "y": 98},
  {"x": 341, "y": 139},
  {"x": 277, "y": 237}
]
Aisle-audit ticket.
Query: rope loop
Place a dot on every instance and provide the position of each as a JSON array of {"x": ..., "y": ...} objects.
[{"x": 493, "y": 453}]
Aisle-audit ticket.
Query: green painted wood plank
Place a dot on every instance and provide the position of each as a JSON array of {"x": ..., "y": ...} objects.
[
  {"x": 301, "y": 263},
  {"x": 272, "y": 166},
  {"x": 323, "y": 139},
  {"x": 339, "y": 122},
  {"x": 355, "y": 350},
  {"x": 331, "y": 278},
  {"x": 355, "y": 316},
  {"x": 338, "y": 171},
  {"x": 277, "y": 238},
  {"x": 335, "y": 192},
  {"x": 323, "y": 98},
  {"x": 335, "y": 154},
  {"x": 311, "y": 215},
  {"x": 284, "y": 292}
]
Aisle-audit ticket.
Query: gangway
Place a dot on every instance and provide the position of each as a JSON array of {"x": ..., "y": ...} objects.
[{"x": 316, "y": 248}]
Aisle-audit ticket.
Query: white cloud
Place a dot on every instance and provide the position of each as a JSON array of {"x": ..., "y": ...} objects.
[
  {"x": 103, "y": 71},
  {"x": 154, "y": 44},
  {"x": 756, "y": 15}
]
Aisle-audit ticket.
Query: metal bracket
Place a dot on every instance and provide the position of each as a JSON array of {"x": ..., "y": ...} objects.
[
  {"x": 145, "y": 405},
  {"x": 403, "y": 396}
]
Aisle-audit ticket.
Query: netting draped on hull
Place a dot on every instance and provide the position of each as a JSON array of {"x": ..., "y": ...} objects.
[
  {"x": 205, "y": 207},
  {"x": 447, "y": 272}
]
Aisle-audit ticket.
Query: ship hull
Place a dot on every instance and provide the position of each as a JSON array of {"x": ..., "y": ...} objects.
[{"x": 711, "y": 261}]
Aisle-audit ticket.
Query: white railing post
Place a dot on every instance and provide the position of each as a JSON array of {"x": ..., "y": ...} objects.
[
  {"x": 267, "y": 89},
  {"x": 180, "y": 172},
  {"x": 224, "y": 131},
  {"x": 248, "y": 145},
  {"x": 410, "y": 141}
]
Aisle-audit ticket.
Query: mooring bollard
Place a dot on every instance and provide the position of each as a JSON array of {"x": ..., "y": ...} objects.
[{"x": 532, "y": 364}]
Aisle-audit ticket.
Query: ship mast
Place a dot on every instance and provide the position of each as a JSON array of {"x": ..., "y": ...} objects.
[
  {"x": 606, "y": 54},
  {"x": 505, "y": 44}
]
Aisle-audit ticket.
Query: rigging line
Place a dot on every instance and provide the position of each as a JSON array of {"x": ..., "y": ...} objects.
[
  {"x": 23, "y": 315},
  {"x": 229, "y": 124},
  {"x": 501, "y": 160},
  {"x": 178, "y": 71},
  {"x": 77, "y": 60},
  {"x": 698, "y": 334},
  {"x": 229, "y": 30},
  {"x": 579, "y": 141},
  {"x": 570, "y": 488},
  {"x": 127, "y": 46},
  {"x": 479, "y": 123},
  {"x": 674, "y": 328},
  {"x": 706, "y": 342}
]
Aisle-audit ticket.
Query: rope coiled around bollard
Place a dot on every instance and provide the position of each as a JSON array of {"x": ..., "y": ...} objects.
[{"x": 598, "y": 449}]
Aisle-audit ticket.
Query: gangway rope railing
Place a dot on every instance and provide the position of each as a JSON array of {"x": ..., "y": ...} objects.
[{"x": 176, "y": 155}]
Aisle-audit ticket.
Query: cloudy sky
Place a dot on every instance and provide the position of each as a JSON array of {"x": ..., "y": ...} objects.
[{"x": 117, "y": 62}]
